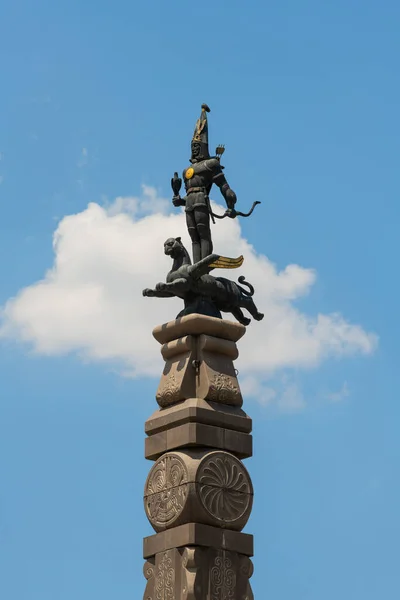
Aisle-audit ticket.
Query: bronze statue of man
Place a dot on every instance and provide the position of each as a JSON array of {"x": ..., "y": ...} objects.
[{"x": 198, "y": 179}]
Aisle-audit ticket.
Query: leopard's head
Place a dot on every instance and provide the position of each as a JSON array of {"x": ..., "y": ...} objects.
[{"x": 173, "y": 247}]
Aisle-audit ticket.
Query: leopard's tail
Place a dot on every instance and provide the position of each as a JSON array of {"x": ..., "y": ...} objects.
[{"x": 243, "y": 281}]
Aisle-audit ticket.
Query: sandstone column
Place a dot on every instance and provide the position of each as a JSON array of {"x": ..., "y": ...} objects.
[{"x": 198, "y": 495}]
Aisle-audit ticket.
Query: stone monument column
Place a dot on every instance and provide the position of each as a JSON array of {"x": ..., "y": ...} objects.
[{"x": 198, "y": 494}]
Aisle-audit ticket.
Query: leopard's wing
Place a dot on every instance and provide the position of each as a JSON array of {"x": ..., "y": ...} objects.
[
  {"x": 214, "y": 261},
  {"x": 203, "y": 266}
]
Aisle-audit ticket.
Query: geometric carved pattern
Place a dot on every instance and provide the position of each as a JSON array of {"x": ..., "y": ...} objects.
[
  {"x": 225, "y": 488},
  {"x": 165, "y": 578},
  {"x": 199, "y": 573},
  {"x": 166, "y": 490},
  {"x": 222, "y": 577}
]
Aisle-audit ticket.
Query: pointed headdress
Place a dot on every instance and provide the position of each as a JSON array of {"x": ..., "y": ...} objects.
[{"x": 200, "y": 134}]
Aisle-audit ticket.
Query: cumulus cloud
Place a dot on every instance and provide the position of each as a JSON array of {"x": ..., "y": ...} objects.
[
  {"x": 282, "y": 392},
  {"x": 90, "y": 301}
]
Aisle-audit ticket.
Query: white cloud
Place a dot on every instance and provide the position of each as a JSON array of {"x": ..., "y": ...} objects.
[
  {"x": 254, "y": 386},
  {"x": 281, "y": 393},
  {"x": 149, "y": 203},
  {"x": 291, "y": 399},
  {"x": 90, "y": 301}
]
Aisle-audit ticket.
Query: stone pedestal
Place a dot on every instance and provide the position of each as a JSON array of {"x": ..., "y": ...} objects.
[{"x": 198, "y": 495}]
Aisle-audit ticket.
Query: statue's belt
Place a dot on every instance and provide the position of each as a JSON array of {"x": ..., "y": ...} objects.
[{"x": 194, "y": 190}]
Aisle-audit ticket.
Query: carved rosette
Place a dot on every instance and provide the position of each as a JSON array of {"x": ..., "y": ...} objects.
[
  {"x": 166, "y": 491},
  {"x": 213, "y": 488},
  {"x": 225, "y": 488}
]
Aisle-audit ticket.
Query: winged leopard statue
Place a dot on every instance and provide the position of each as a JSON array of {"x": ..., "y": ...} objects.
[{"x": 202, "y": 292}]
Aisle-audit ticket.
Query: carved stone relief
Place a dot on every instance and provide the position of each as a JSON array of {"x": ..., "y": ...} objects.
[
  {"x": 225, "y": 488},
  {"x": 166, "y": 490},
  {"x": 199, "y": 573},
  {"x": 198, "y": 486}
]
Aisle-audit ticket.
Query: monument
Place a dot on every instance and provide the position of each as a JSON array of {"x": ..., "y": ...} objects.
[{"x": 198, "y": 495}]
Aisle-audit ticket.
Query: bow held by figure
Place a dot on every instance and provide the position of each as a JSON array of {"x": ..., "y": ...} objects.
[{"x": 232, "y": 213}]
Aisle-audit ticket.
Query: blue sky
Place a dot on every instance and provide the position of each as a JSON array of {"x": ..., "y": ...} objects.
[{"x": 98, "y": 100}]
